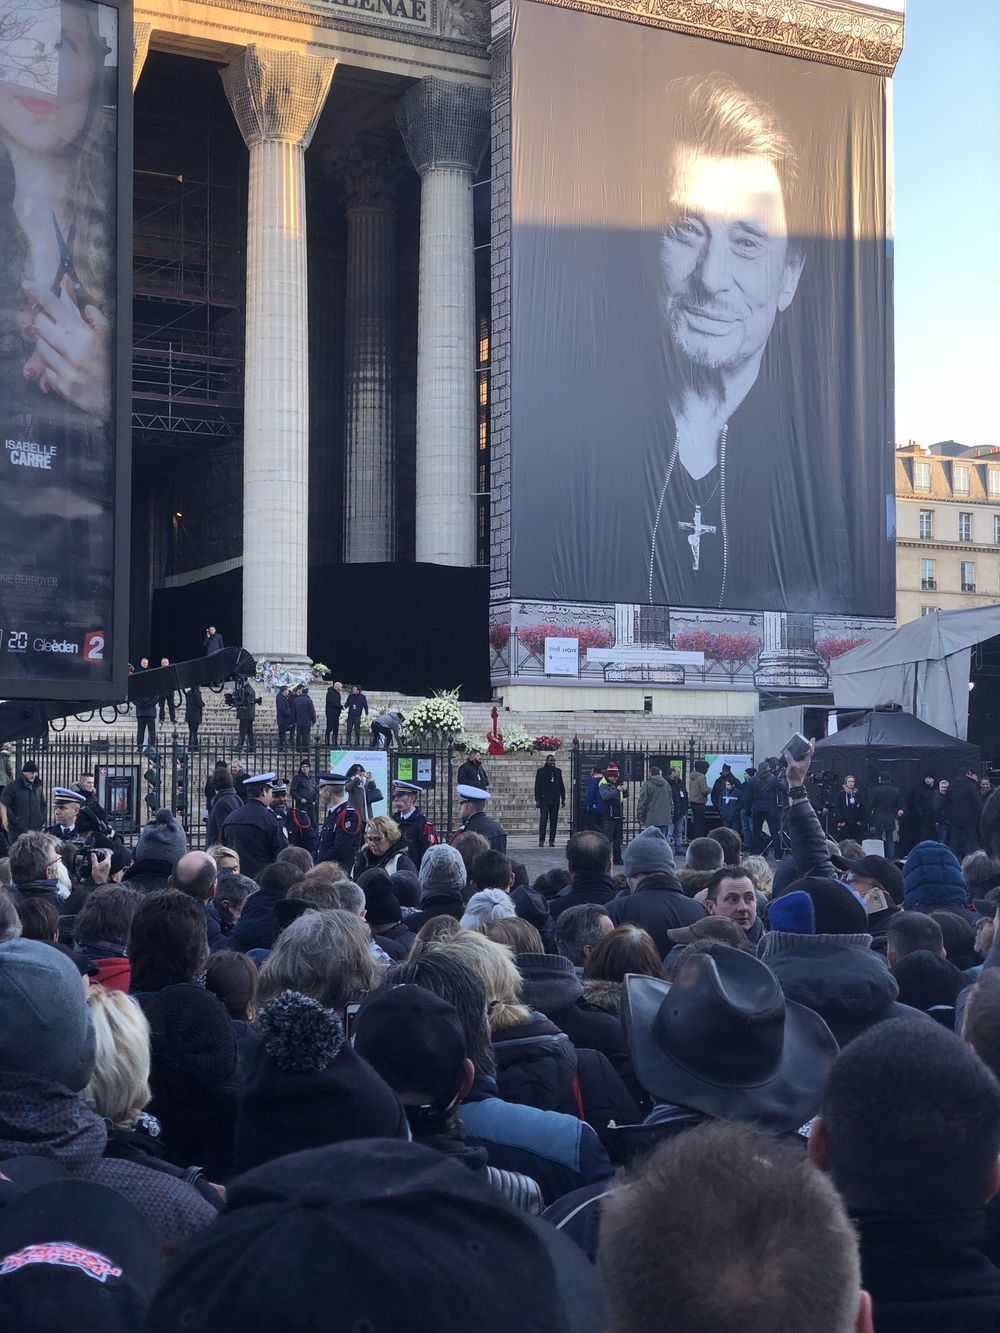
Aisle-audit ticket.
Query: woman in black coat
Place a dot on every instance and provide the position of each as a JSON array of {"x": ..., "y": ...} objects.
[{"x": 849, "y": 812}]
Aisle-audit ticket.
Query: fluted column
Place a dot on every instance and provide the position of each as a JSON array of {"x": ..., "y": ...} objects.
[
  {"x": 141, "y": 33},
  {"x": 368, "y": 170},
  {"x": 445, "y": 127},
  {"x": 788, "y": 654},
  {"x": 276, "y": 97}
]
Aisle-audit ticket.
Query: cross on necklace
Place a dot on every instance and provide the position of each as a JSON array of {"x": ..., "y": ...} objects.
[{"x": 697, "y": 529}]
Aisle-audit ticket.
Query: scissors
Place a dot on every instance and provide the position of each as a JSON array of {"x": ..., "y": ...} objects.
[{"x": 66, "y": 269}]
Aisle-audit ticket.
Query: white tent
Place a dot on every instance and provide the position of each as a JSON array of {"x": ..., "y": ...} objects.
[{"x": 922, "y": 666}]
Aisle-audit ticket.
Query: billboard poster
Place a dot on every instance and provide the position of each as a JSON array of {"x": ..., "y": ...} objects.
[
  {"x": 376, "y": 769},
  {"x": 701, "y": 365},
  {"x": 64, "y": 460}
]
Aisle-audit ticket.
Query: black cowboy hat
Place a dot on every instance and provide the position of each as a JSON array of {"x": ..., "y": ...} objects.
[{"x": 722, "y": 1039}]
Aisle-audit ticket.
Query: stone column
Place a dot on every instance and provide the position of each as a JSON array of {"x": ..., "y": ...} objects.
[
  {"x": 368, "y": 169},
  {"x": 141, "y": 33},
  {"x": 445, "y": 127},
  {"x": 788, "y": 657},
  {"x": 276, "y": 97}
]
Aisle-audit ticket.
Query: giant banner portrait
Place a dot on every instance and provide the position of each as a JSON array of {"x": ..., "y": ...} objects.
[
  {"x": 701, "y": 371},
  {"x": 59, "y": 274}
]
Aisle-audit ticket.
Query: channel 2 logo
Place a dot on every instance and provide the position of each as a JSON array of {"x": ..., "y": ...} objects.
[{"x": 93, "y": 646}]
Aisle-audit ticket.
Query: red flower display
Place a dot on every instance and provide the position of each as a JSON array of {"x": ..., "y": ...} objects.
[
  {"x": 732, "y": 650},
  {"x": 548, "y": 743},
  {"x": 499, "y": 635},
  {"x": 829, "y": 646},
  {"x": 590, "y": 636}
]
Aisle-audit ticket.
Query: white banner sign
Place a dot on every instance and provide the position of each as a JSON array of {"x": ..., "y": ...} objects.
[{"x": 562, "y": 657}]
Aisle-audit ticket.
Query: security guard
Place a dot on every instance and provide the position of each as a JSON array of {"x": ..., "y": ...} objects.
[
  {"x": 343, "y": 829},
  {"x": 472, "y": 812},
  {"x": 417, "y": 831},
  {"x": 296, "y": 822},
  {"x": 254, "y": 830}
]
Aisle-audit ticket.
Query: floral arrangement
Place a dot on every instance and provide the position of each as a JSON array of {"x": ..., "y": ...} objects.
[
  {"x": 464, "y": 743},
  {"x": 516, "y": 741},
  {"x": 548, "y": 743},
  {"x": 272, "y": 676},
  {"x": 590, "y": 636},
  {"x": 733, "y": 650},
  {"x": 320, "y": 670},
  {"x": 439, "y": 717},
  {"x": 829, "y": 646},
  {"x": 499, "y": 635}
]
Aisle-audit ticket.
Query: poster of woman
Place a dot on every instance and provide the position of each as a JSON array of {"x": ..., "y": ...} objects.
[{"x": 59, "y": 133}]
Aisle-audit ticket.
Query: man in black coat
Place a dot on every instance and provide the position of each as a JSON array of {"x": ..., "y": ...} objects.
[
  {"x": 909, "y": 1131},
  {"x": 885, "y": 810},
  {"x": 923, "y": 810},
  {"x": 283, "y": 715},
  {"x": 655, "y": 900},
  {"x": 965, "y": 809},
  {"x": 25, "y": 802},
  {"x": 588, "y": 860},
  {"x": 253, "y": 830},
  {"x": 194, "y": 711},
  {"x": 471, "y": 773},
  {"x": 357, "y": 707},
  {"x": 304, "y": 713},
  {"x": 145, "y": 717},
  {"x": 244, "y": 698},
  {"x": 550, "y": 794},
  {"x": 213, "y": 641},
  {"x": 334, "y": 707}
]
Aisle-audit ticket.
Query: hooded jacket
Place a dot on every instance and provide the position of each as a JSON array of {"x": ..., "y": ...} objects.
[
  {"x": 656, "y": 802},
  {"x": 552, "y": 987},
  {"x": 657, "y": 905},
  {"x": 47, "y": 1120},
  {"x": 838, "y": 977}
]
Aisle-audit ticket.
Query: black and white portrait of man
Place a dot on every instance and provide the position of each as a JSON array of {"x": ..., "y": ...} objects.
[{"x": 701, "y": 311}]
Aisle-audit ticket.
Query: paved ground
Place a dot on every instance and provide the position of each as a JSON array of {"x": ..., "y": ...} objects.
[{"x": 537, "y": 859}]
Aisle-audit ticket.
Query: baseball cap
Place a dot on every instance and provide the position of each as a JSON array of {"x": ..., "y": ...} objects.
[
  {"x": 381, "y": 1235},
  {"x": 75, "y": 1254},
  {"x": 414, "y": 1040}
]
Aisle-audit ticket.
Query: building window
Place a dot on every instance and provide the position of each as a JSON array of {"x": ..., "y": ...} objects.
[
  {"x": 927, "y": 610},
  {"x": 921, "y": 476},
  {"x": 927, "y": 524},
  {"x": 965, "y": 527},
  {"x": 996, "y": 529},
  {"x": 960, "y": 480},
  {"x": 967, "y": 575},
  {"x": 928, "y": 575},
  {"x": 993, "y": 482}
]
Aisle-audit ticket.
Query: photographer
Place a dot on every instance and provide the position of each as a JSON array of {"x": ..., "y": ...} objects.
[{"x": 244, "y": 699}]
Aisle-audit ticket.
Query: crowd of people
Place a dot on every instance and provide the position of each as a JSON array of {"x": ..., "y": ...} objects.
[{"x": 385, "y": 1082}]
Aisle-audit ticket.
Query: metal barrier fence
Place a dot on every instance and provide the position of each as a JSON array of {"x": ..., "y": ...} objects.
[
  {"x": 633, "y": 762},
  {"x": 131, "y": 783}
]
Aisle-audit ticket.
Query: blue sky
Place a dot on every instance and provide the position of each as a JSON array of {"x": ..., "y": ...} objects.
[{"x": 946, "y": 97}]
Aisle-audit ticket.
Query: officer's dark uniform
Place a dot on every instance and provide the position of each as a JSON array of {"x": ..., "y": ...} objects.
[
  {"x": 480, "y": 822},
  {"x": 340, "y": 838},
  {"x": 412, "y": 832},
  {"x": 255, "y": 833}
]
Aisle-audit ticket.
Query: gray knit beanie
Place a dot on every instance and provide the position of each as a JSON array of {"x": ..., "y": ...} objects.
[
  {"x": 441, "y": 867},
  {"x": 162, "y": 839},
  {"x": 46, "y": 1029},
  {"x": 649, "y": 854}
]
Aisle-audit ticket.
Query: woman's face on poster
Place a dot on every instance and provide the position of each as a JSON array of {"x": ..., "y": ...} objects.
[{"x": 40, "y": 122}]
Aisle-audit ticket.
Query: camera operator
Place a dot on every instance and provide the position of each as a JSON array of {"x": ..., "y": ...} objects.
[{"x": 244, "y": 699}]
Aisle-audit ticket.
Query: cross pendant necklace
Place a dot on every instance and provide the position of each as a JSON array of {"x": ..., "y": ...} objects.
[{"x": 697, "y": 529}]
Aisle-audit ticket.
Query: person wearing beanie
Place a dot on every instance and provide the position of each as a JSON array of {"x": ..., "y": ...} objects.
[
  {"x": 442, "y": 882},
  {"x": 382, "y": 910},
  {"x": 820, "y": 950},
  {"x": 193, "y": 1077},
  {"x": 161, "y": 845},
  {"x": 933, "y": 877},
  {"x": 47, "y": 1058},
  {"x": 704, "y": 857},
  {"x": 655, "y": 900},
  {"x": 305, "y": 1086}
]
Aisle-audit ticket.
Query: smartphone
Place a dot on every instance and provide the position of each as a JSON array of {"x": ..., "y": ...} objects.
[
  {"x": 797, "y": 746},
  {"x": 350, "y": 1014}
]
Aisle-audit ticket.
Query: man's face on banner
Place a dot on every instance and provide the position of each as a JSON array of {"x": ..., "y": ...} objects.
[
  {"x": 47, "y": 124},
  {"x": 727, "y": 263}
]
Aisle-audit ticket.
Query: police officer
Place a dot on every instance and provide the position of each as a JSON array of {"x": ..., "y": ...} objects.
[
  {"x": 253, "y": 830},
  {"x": 66, "y": 806},
  {"x": 472, "y": 812},
  {"x": 417, "y": 831},
  {"x": 296, "y": 823},
  {"x": 343, "y": 829}
]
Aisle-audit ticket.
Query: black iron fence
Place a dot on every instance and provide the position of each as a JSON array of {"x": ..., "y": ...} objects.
[
  {"x": 132, "y": 782},
  {"x": 633, "y": 762}
]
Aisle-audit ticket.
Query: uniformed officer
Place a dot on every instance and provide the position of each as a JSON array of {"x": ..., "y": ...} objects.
[
  {"x": 254, "y": 830},
  {"x": 414, "y": 826},
  {"x": 343, "y": 829},
  {"x": 66, "y": 805},
  {"x": 296, "y": 823},
  {"x": 472, "y": 812}
]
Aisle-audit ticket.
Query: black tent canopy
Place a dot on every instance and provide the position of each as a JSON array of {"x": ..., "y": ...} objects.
[{"x": 897, "y": 744}]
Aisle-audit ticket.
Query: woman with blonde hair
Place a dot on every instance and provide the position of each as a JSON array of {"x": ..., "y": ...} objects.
[
  {"x": 383, "y": 849},
  {"x": 760, "y": 872}
]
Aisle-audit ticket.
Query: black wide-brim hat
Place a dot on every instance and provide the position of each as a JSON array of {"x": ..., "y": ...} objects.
[{"x": 722, "y": 1039}]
